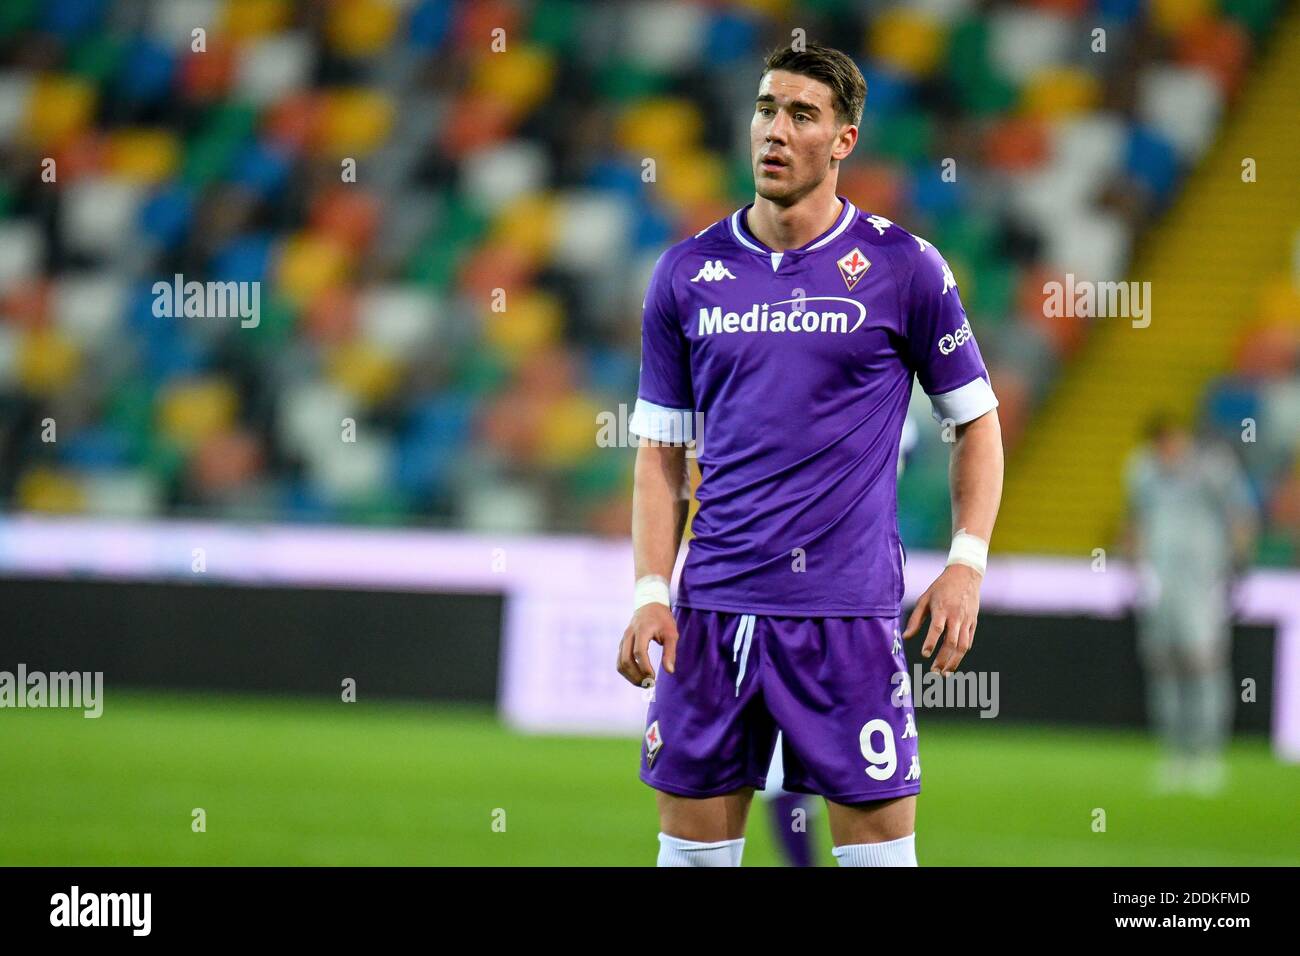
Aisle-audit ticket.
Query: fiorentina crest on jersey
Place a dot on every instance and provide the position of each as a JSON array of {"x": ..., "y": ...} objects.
[
  {"x": 853, "y": 267},
  {"x": 652, "y": 743}
]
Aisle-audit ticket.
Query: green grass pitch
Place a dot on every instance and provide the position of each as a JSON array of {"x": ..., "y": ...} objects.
[{"x": 291, "y": 781}]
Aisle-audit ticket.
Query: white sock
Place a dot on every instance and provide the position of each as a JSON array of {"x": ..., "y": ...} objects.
[
  {"x": 737, "y": 850},
  {"x": 900, "y": 852},
  {"x": 677, "y": 852}
]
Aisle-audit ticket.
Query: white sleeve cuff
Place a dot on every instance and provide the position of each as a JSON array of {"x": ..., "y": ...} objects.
[
  {"x": 964, "y": 404},
  {"x": 657, "y": 423}
]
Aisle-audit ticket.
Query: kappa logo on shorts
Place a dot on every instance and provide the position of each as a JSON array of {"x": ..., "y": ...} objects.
[{"x": 652, "y": 744}]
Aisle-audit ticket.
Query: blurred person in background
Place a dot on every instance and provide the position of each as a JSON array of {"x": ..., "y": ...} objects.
[{"x": 1191, "y": 528}]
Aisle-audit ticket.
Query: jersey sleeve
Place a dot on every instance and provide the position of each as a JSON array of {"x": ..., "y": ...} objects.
[
  {"x": 1235, "y": 498},
  {"x": 664, "y": 400},
  {"x": 941, "y": 346}
]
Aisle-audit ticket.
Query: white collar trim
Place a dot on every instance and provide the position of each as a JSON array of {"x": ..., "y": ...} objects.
[
  {"x": 846, "y": 216},
  {"x": 845, "y": 219}
]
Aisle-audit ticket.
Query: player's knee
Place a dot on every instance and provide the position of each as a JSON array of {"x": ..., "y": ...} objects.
[
  {"x": 1205, "y": 659},
  {"x": 701, "y": 819}
]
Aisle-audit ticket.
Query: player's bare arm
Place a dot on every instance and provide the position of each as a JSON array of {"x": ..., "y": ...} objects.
[
  {"x": 952, "y": 601},
  {"x": 660, "y": 499}
]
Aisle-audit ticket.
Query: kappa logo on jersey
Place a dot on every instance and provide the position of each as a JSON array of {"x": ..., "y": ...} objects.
[
  {"x": 955, "y": 340},
  {"x": 880, "y": 222},
  {"x": 853, "y": 267},
  {"x": 652, "y": 743},
  {"x": 949, "y": 281},
  {"x": 713, "y": 271}
]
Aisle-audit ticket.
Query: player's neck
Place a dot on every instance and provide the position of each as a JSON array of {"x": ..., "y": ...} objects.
[{"x": 789, "y": 227}]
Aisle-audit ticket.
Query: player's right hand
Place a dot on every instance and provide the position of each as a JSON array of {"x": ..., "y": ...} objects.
[{"x": 651, "y": 622}]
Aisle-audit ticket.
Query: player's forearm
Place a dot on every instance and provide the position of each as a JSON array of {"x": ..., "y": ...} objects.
[
  {"x": 975, "y": 475},
  {"x": 1244, "y": 533},
  {"x": 1129, "y": 540},
  {"x": 660, "y": 501}
]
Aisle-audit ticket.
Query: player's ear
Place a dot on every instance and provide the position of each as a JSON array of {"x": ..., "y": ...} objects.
[{"x": 845, "y": 141}]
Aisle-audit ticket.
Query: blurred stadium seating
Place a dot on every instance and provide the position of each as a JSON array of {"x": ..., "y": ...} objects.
[{"x": 523, "y": 172}]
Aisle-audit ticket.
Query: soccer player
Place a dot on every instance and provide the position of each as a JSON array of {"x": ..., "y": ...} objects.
[
  {"x": 790, "y": 333},
  {"x": 1192, "y": 523}
]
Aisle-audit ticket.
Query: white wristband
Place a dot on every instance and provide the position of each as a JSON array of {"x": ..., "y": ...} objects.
[
  {"x": 651, "y": 589},
  {"x": 969, "y": 550}
]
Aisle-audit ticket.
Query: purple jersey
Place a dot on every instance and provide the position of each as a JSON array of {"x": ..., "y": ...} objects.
[{"x": 796, "y": 369}]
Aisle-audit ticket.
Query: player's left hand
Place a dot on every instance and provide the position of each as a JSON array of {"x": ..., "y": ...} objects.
[{"x": 953, "y": 603}]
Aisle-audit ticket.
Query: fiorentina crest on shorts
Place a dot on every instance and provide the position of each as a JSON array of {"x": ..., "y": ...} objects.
[
  {"x": 853, "y": 267},
  {"x": 652, "y": 744}
]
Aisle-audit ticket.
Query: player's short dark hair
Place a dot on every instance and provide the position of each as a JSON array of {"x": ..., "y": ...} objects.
[
  {"x": 832, "y": 67},
  {"x": 1164, "y": 423}
]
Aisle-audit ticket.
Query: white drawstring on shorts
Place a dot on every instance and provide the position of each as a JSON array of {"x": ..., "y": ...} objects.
[{"x": 744, "y": 637}]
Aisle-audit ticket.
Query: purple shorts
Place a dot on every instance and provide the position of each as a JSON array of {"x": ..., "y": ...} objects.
[{"x": 837, "y": 688}]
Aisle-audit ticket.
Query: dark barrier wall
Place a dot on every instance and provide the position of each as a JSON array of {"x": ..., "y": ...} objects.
[
  {"x": 446, "y": 647},
  {"x": 286, "y": 640},
  {"x": 1086, "y": 670}
]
